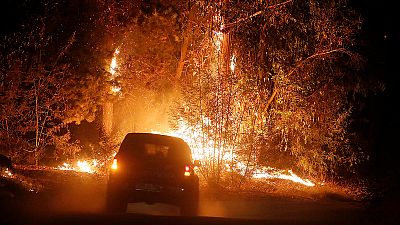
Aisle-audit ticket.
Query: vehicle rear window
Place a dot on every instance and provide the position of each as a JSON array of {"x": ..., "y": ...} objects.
[{"x": 154, "y": 149}]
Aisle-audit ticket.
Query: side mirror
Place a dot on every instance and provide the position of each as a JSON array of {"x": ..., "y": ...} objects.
[{"x": 197, "y": 163}]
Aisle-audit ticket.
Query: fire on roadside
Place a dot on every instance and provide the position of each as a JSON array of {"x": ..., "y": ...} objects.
[
  {"x": 204, "y": 152},
  {"x": 203, "y": 148},
  {"x": 87, "y": 166}
]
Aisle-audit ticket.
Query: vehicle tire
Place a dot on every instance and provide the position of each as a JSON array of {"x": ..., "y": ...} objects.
[
  {"x": 190, "y": 203},
  {"x": 115, "y": 203},
  {"x": 190, "y": 209}
]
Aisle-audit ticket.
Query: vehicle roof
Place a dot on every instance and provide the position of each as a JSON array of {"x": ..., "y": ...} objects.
[
  {"x": 132, "y": 138},
  {"x": 152, "y": 136}
]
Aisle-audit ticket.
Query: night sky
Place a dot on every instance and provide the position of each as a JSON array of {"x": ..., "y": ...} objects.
[{"x": 380, "y": 46}]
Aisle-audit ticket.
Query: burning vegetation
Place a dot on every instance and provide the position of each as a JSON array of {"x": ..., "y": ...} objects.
[{"x": 258, "y": 89}]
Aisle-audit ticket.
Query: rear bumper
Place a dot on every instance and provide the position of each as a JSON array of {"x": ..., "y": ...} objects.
[
  {"x": 140, "y": 191},
  {"x": 169, "y": 197}
]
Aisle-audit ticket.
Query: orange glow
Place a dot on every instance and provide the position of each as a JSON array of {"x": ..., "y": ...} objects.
[
  {"x": 233, "y": 63},
  {"x": 115, "y": 89},
  {"x": 114, "y": 65},
  {"x": 205, "y": 151},
  {"x": 272, "y": 173},
  {"x": 6, "y": 172},
  {"x": 81, "y": 166},
  {"x": 113, "y": 69},
  {"x": 114, "y": 165}
]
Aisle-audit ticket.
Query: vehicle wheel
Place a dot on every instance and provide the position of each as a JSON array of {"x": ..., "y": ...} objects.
[
  {"x": 115, "y": 203},
  {"x": 190, "y": 209},
  {"x": 190, "y": 204}
]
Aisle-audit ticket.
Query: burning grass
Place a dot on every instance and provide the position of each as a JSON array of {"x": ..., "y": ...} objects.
[{"x": 284, "y": 189}]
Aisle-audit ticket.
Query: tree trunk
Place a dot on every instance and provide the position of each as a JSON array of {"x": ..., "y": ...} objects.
[
  {"x": 187, "y": 38},
  {"x": 36, "y": 126}
]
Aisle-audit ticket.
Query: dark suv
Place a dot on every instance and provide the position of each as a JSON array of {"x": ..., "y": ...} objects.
[{"x": 153, "y": 168}]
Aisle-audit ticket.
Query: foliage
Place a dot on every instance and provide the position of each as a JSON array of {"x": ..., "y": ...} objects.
[
  {"x": 41, "y": 92},
  {"x": 149, "y": 49},
  {"x": 290, "y": 97},
  {"x": 263, "y": 82}
]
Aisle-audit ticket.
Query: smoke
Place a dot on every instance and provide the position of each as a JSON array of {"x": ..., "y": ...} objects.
[{"x": 143, "y": 111}]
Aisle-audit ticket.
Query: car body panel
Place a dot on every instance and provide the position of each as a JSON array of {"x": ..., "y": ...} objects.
[{"x": 151, "y": 168}]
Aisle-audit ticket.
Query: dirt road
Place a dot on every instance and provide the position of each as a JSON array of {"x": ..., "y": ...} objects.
[{"x": 80, "y": 200}]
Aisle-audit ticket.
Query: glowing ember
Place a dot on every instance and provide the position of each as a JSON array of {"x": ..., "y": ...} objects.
[{"x": 6, "y": 173}]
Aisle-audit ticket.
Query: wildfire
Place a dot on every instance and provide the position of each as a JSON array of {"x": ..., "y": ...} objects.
[
  {"x": 272, "y": 173},
  {"x": 114, "y": 65},
  {"x": 81, "y": 166},
  {"x": 233, "y": 63},
  {"x": 113, "y": 69},
  {"x": 203, "y": 148},
  {"x": 218, "y": 36},
  {"x": 204, "y": 151},
  {"x": 6, "y": 173}
]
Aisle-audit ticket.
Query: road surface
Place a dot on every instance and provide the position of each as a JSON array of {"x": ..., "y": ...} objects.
[{"x": 81, "y": 201}]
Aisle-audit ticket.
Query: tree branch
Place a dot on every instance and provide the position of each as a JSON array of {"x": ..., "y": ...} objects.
[
  {"x": 255, "y": 14},
  {"x": 271, "y": 98},
  {"x": 342, "y": 50}
]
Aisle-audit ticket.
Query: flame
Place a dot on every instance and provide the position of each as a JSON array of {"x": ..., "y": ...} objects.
[
  {"x": 272, "y": 173},
  {"x": 113, "y": 69},
  {"x": 206, "y": 150},
  {"x": 203, "y": 152},
  {"x": 115, "y": 89},
  {"x": 233, "y": 63},
  {"x": 218, "y": 39},
  {"x": 114, "y": 65},
  {"x": 5, "y": 172},
  {"x": 202, "y": 146},
  {"x": 81, "y": 166}
]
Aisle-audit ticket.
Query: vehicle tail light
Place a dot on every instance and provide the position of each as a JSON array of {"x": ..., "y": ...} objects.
[
  {"x": 114, "y": 165},
  {"x": 187, "y": 171}
]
